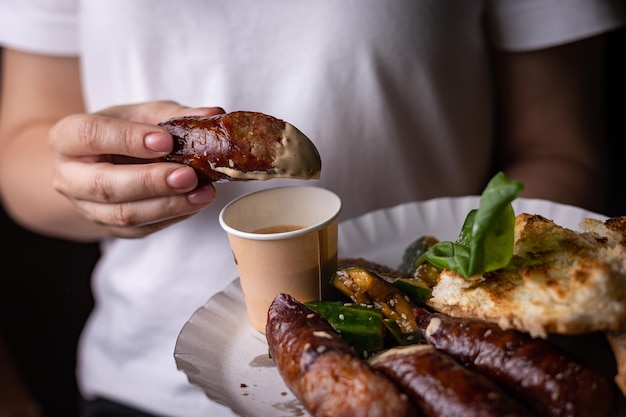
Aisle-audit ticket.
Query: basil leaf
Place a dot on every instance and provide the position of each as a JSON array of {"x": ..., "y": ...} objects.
[
  {"x": 486, "y": 240},
  {"x": 448, "y": 255}
]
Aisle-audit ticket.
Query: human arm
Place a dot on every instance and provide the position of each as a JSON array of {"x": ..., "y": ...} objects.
[
  {"x": 58, "y": 172},
  {"x": 550, "y": 122}
]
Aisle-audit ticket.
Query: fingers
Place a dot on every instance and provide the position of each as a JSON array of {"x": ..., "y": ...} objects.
[
  {"x": 157, "y": 111},
  {"x": 105, "y": 165},
  {"x": 129, "y": 130},
  {"x": 133, "y": 219},
  {"x": 132, "y": 195},
  {"x": 104, "y": 182},
  {"x": 87, "y": 135},
  {"x": 142, "y": 231}
]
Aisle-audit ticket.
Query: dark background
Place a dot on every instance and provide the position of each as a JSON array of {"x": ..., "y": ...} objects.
[
  {"x": 44, "y": 300},
  {"x": 45, "y": 295},
  {"x": 616, "y": 102}
]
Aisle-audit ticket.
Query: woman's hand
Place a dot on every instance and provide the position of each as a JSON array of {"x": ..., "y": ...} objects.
[{"x": 104, "y": 163}]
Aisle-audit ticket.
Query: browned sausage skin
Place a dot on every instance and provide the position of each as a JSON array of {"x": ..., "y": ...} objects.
[
  {"x": 440, "y": 386},
  {"x": 323, "y": 371},
  {"x": 242, "y": 146},
  {"x": 550, "y": 380}
]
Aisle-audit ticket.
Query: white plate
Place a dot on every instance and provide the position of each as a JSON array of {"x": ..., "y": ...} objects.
[{"x": 221, "y": 353}]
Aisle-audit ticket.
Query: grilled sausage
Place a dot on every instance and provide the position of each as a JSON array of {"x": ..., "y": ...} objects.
[
  {"x": 440, "y": 386},
  {"x": 242, "y": 146},
  {"x": 550, "y": 380},
  {"x": 323, "y": 371}
]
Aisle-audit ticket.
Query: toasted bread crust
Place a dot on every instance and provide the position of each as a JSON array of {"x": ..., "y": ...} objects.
[{"x": 559, "y": 281}]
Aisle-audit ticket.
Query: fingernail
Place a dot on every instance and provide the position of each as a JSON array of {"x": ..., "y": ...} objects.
[
  {"x": 159, "y": 142},
  {"x": 182, "y": 178},
  {"x": 202, "y": 195}
]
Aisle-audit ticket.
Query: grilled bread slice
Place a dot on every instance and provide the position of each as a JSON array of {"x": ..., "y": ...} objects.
[{"x": 559, "y": 281}]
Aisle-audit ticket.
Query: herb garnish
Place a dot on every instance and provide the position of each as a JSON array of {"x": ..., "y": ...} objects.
[{"x": 487, "y": 236}]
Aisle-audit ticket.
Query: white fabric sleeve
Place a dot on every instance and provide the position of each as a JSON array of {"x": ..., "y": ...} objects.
[
  {"x": 519, "y": 25},
  {"x": 39, "y": 26}
]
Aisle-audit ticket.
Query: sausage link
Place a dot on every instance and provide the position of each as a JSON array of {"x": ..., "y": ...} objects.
[
  {"x": 440, "y": 386},
  {"x": 547, "y": 378},
  {"x": 242, "y": 146},
  {"x": 323, "y": 371}
]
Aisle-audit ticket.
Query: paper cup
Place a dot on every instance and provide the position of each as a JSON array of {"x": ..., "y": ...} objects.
[{"x": 284, "y": 240}]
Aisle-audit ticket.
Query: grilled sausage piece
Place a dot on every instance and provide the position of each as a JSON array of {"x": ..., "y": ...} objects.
[
  {"x": 550, "y": 380},
  {"x": 440, "y": 386},
  {"x": 323, "y": 370},
  {"x": 242, "y": 146}
]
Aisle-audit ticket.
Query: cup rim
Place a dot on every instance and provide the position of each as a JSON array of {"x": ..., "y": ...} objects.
[{"x": 282, "y": 235}]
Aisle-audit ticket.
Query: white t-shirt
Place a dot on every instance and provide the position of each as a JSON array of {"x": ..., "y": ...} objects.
[{"x": 396, "y": 95}]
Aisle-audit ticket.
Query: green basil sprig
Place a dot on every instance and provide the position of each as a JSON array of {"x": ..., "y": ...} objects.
[{"x": 487, "y": 236}]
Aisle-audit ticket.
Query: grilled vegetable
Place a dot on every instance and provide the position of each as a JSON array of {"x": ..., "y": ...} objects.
[
  {"x": 365, "y": 287},
  {"x": 414, "y": 251},
  {"x": 395, "y": 336},
  {"x": 360, "y": 326},
  {"x": 414, "y": 288}
]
